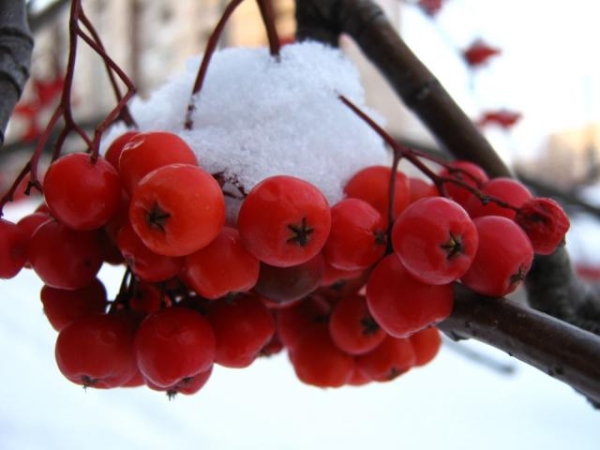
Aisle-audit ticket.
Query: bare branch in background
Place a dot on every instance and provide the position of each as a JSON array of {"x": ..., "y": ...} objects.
[{"x": 16, "y": 46}]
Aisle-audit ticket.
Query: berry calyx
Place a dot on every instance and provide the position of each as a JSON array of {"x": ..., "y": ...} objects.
[
  {"x": 435, "y": 239},
  {"x": 545, "y": 223},
  {"x": 284, "y": 221},
  {"x": 173, "y": 221}
]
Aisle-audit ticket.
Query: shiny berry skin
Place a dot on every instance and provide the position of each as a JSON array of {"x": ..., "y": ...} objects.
[
  {"x": 389, "y": 360},
  {"x": 420, "y": 188},
  {"x": 426, "y": 345},
  {"x": 177, "y": 210},
  {"x": 146, "y": 152},
  {"x": 222, "y": 267},
  {"x": 242, "y": 326},
  {"x": 352, "y": 326},
  {"x": 503, "y": 257},
  {"x": 466, "y": 172},
  {"x": 287, "y": 284},
  {"x": 545, "y": 223},
  {"x": 82, "y": 193},
  {"x": 401, "y": 304},
  {"x": 97, "y": 350},
  {"x": 145, "y": 298},
  {"x": 173, "y": 344},
  {"x": 142, "y": 261},
  {"x": 14, "y": 243},
  {"x": 358, "y": 235},
  {"x": 284, "y": 221},
  {"x": 114, "y": 150},
  {"x": 187, "y": 386},
  {"x": 435, "y": 239},
  {"x": 292, "y": 322},
  {"x": 372, "y": 185},
  {"x": 64, "y": 258},
  {"x": 507, "y": 190},
  {"x": 63, "y": 306},
  {"x": 318, "y": 361}
]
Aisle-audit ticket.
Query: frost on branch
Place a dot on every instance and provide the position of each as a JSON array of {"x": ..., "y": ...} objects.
[{"x": 257, "y": 117}]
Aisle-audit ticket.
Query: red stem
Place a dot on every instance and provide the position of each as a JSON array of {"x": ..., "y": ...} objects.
[
  {"x": 211, "y": 46},
  {"x": 414, "y": 156},
  {"x": 266, "y": 11}
]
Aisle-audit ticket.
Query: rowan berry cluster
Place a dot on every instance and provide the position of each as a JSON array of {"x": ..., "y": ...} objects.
[{"x": 353, "y": 290}]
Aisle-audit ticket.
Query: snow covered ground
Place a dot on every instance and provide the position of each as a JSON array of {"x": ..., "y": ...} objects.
[{"x": 453, "y": 403}]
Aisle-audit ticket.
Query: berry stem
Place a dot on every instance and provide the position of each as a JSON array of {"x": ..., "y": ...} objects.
[
  {"x": 211, "y": 46},
  {"x": 414, "y": 156},
  {"x": 266, "y": 12}
]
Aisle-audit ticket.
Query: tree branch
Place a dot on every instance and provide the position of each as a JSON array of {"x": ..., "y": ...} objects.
[
  {"x": 16, "y": 46},
  {"x": 559, "y": 349}
]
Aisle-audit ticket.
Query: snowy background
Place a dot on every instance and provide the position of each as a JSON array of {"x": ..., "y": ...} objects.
[{"x": 453, "y": 403}]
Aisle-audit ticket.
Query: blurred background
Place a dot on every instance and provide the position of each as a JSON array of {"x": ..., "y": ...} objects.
[{"x": 529, "y": 76}]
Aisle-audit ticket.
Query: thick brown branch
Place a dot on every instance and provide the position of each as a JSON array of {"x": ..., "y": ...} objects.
[
  {"x": 560, "y": 350},
  {"x": 16, "y": 45},
  {"x": 563, "y": 351}
]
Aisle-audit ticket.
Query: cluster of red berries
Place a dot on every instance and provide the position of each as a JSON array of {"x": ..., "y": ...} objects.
[{"x": 353, "y": 291}]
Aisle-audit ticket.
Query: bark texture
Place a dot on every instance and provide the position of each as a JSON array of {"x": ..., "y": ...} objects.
[
  {"x": 559, "y": 349},
  {"x": 16, "y": 46}
]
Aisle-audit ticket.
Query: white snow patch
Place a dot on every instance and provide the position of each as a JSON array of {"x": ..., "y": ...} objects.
[{"x": 256, "y": 117}]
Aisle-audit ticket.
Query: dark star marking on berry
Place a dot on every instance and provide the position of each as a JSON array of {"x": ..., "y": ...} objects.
[
  {"x": 369, "y": 326},
  {"x": 519, "y": 276},
  {"x": 301, "y": 233},
  {"x": 157, "y": 217},
  {"x": 453, "y": 247}
]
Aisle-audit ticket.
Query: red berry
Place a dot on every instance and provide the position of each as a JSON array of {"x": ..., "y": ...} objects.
[
  {"x": 426, "y": 345},
  {"x": 173, "y": 344},
  {"x": 97, "y": 350},
  {"x": 63, "y": 306},
  {"x": 420, "y": 188},
  {"x": 545, "y": 223},
  {"x": 145, "y": 298},
  {"x": 435, "y": 239},
  {"x": 503, "y": 257},
  {"x": 358, "y": 236},
  {"x": 242, "y": 326},
  {"x": 318, "y": 361},
  {"x": 465, "y": 172},
  {"x": 401, "y": 304},
  {"x": 142, "y": 261},
  {"x": 292, "y": 322},
  {"x": 177, "y": 210},
  {"x": 14, "y": 243},
  {"x": 392, "y": 358},
  {"x": 148, "y": 151},
  {"x": 352, "y": 326},
  {"x": 284, "y": 221},
  {"x": 508, "y": 190},
  {"x": 372, "y": 185},
  {"x": 287, "y": 284},
  {"x": 64, "y": 258},
  {"x": 82, "y": 193},
  {"x": 114, "y": 150},
  {"x": 221, "y": 268},
  {"x": 187, "y": 386}
]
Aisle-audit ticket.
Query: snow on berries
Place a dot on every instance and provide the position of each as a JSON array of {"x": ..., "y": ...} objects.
[{"x": 274, "y": 222}]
